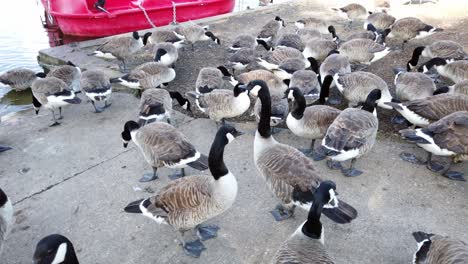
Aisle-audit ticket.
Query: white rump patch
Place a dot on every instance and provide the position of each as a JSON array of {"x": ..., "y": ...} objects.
[
  {"x": 423, "y": 34},
  {"x": 197, "y": 102},
  {"x": 157, "y": 218},
  {"x": 93, "y": 96},
  {"x": 103, "y": 55},
  {"x": 265, "y": 39},
  {"x": 179, "y": 44},
  {"x": 185, "y": 106},
  {"x": 265, "y": 64},
  {"x": 379, "y": 55},
  {"x": 412, "y": 117},
  {"x": 346, "y": 155},
  {"x": 178, "y": 35},
  {"x": 158, "y": 118},
  {"x": 60, "y": 255},
  {"x": 433, "y": 147},
  {"x": 183, "y": 162},
  {"x": 238, "y": 66},
  {"x": 133, "y": 85}
]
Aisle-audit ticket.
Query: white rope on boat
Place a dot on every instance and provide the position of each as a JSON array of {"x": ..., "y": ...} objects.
[
  {"x": 174, "y": 13},
  {"x": 146, "y": 14}
]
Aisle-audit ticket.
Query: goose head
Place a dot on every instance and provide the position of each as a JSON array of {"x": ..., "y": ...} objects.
[
  {"x": 436, "y": 62},
  {"x": 135, "y": 35},
  {"x": 280, "y": 21},
  {"x": 228, "y": 133},
  {"x": 54, "y": 249},
  {"x": 36, "y": 104},
  {"x": 326, "y": 193},
  {"x": 239, "y": 89},
  {"x": 292, "y": 93},
  {"x": 126, "y": 134},
  {"x": 183, "y": 102},
  {"x": 213, "y": 37},
  {"x": 255, "y": 87},
  {"x": 159, "y": 54},
  {"x": 146, "y": 39}
]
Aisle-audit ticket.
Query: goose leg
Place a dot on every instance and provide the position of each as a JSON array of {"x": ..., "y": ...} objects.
[
  {"x": 150, "y": 176},
  {"x": 308, "y": 152},
  {"x": 106, "y": 104},
  {"x": 96, "y": 109},
  {"x": 193, "y": 247},
  {"x": 175, "y": 175},
  {"x": 55, "y": 123},
  {"x": 351, "y": 172},
  {"x": 398, "y": 120},
  {"x": 454, "y": 175},
  {"x": 334, "y": 165},
  {"x": 317, "y": 153},
  {"x": 4, "y": 148},
  {"x": 206, "y": 232},
  {"x": 60, "y": 114},
  {"x": 282, "y": 212}
]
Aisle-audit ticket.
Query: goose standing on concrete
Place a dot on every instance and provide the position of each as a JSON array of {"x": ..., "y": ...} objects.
[
  {"x": 364, "y": 51},
  {"x": 351, "y": 135},
  {"x": 247, "y": 41},
  {"x": 69, "y": 73},
  {"x": 445, "y": 49},
  {"x": 289, "y": 174},
  {"x": 166, "y": 53},
  {"x": 306, "y": 245},
  {"x": 456, "y": 71},
  {"x": 458, "y": 88},
  {"x": 241, "y": 59},
  {"x": 195, "y": 33},
  {"x": 222, "y": 103},
  {"x": 334, "y": 63},
  {"x": 271, "y": 29},
  {"x": 309, "y": 122},
  {"x": 96, "y": 85},
  {"x": 410, "y": 27},
  {"x": 6, "y": 218},
  {"x": 308, "y": 83},
  {"x": 159, "y": 36},
  {"x": 148, "y": 75},
  {"x": 156, "y": 105},
  {"x": 186, "y": 203},
  {"x": 380, "y": 20},
  {"x": 351, "y": 12},
  {"x": 20, "y": 79},
  {"x": 119, "y": 48},
  {"x": 435, "y": 249},
  {"x": 210, "y": 79},
  {"x": 445, "y": 137},
  {"x": 422, "y": 112},
  {"x": 162, "y": 145},
  {"x": 54, "y": 249},
  {"x": 53, "y": 94}
]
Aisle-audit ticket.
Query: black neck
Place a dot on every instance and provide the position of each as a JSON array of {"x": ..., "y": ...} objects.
[
  {"x": 178, "y": 97},
  {"x": 35, "y": 102},
  {"x": 369, "y": 105},
  {"x": 299, "y": 105},
  {"x": 264, "y": 125},
  {"x": 415, "y": 57},
  {"x": 313, "y": 227},
  {"x": 71, "y": 258},
  {"x": 145, "y": 37},
  {"x": 314, "y": 64},
  {"x": 325, "y": 90},
  {"x": 215, "y": 159}
]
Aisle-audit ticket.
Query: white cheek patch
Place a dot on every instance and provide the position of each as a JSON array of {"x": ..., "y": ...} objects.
[
  {"x": 425, "y": 69},
  {"x": 299, "y": 25},
  {"x": 61, "y": 253},
  {"x": 185, "y": 106},
  {"x": 290, "y": 95},
  {"x": 254, "y": 91},
  {"x": 230, "y": 137},
  {"x": 333, "y": 203}
]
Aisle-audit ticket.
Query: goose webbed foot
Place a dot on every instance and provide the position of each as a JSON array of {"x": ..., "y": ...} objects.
[
  {"x": 4, "y": 148},
  {"x": 434, "y": 166},
  {"x": 149, "y": 176},
  {"x": 307, "y": 152},
  {"x": 318, "y": 155},
  {"x": 194, "y": 248},
  {"x": 206, "y": 232},
  {"x": 351, "y": 172},
  {"x": 399, "y": 120},
  {"x": 454, "y": 175},
  {"x": 334, "y": 165},
  {"x": 55, "y": 123},
  {"x": 411, "y": 158},
  {"x": 96, "y": 109},
  {"x": 177, "y": 175},
  {"x": 334, "y": 101},
  {"x": 281, "y": 213}
]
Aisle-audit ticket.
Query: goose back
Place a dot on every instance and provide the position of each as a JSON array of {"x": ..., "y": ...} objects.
[
  {"x": 42, "y": 88},
  {"x": 380, "y": 20},
  {"x": 244, "y": 41},
  {"x": 222, "y": 103},
  {"x": 18, "y": 79},
  {"x": 209, "y": 79},
  {"x": 269, "y": 31},
  {"x": 291, "y": 40},
  {"x": 275, "y": 85},
  {"x": 444, "y": 49},
  {"x": 354, "y": 10},
  {"x": 451, "y": 132},
  {"x": 306, "y": 81},
  {"x": 319, "y": 48},
  {"x": 94, "y": 79},
  {"x": 441, "y": 249},
  {"x": 283, "y": 53},
  {"x": 152, "y": 74},
  {"x": 413, "y": 85},
  {"x": 69, "y": 74},
  {"x": 154, "y": 96},
  {"x": 315, "y": 121},
  {"x": 335, "y": 63},
  {"x": 121, "y": 47},
  {"x": 360, "y": 50},
  {"x": 408, "y": 28},
  {"x": 356, "y": 86},
  {"x": 456, "y": 71}
]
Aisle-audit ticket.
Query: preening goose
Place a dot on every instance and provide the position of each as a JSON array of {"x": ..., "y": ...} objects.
[
  {"x": 163, "y": 36},
  {"x": 222, "y": 103},
  {"x": 289, "y": 174},
  {"x": 210, "y": 79},
  {"x": 119, "y": 48},
  {"x": 241, "y": 59},
  {"x": 166, "y": 53},
  {"x": 53, "y": 94},
  {"x": 410, "y": 27},
  {"x": 445, "y": 49},
  {"x": 422, "y": 112},
  {"x": 412, "y": 85},
  {"x": 20, "y": 79},
  {"x": 306, "y": 244},
  {"x": 186, "y": 203},
  {"x": 195, "y": 33},
  {"x": 69, "y": 73},
  {"x": 352, "y": 134},
  {"x": 380, "y": 20},
  {"x": 435, "y": 249},
  {"x": 162, "y": 145},
  {"x": 6, "y": 218},
  {"x": 55, "y": 249},
  {"x": 456, "y": 71},
  {"x": 351, "y": 12},
  {"x": 156, "y": 105},
  {"x": 314, "y": 23},
  {"x": 271, "y": 29},
  {"x": 445, "y": 137},
  {"x": 356, "y": 86},
  {"x": 96, "y": 85},
  {"x": 307, "y": 82},
  {"x": 309, "y": 122},
  {"x": 364, "y": 51},
  {"x": 458, "y": 88},
  {"x": 147, "y": 75},
  {"x": 319, "y": 48},
  {"x": 247, "y": 41},
  {"x": 334, "y": 63}
]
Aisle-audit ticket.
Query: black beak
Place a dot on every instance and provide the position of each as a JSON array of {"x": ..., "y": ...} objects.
[
  {"x": 238, "y": 133},
  {"x": 125, "y": 144},
  {"x": 37, "y": 111}
]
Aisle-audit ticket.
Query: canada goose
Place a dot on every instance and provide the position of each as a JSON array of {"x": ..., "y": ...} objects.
[
  {"x": 314, "y": 23},
  {"x": 195, "y": 33},
  {"x": 351, "y": 12},
  {"x": 356, "y": 86},
  {"x": 291, "y": 40},
  {"x": 307, "y": 82},
  {"x": 279, "y": 111},
  {"x": 52, "y": 93},
  {"x": 6, "y": 218},
  {"x": 319, "y": 48},
  {"x": 287, "y": 67},
  {"x": 96, "y": 85},
  {"x": 241, "y": 59},
  {"x": 271, "y": 29},
  {"x": 309, "y": 122},
  {"x": 186, "y": 203},
  {"x": 210, "y": 79},
  {"x": 410, "y": 27},
  {"x": 119, "y": 48},
  {"x": 445, "y": 49},
  {"x": 222, "y": 103},
  {"x": 163, "y": 145},
  {"x": 69, "y": 73},
  {"x": 422, "y": 112},
  {"x": 445, "y": 137},
  {"x": 362, "y": 35},
  {"x": 352, "y": 134},
  {"x": 456, "y": 71},
  {"x": 20, "y": 79},
  {"x": 54, "y": 249},
  {"x": 308, "y": 34},
  {"x": 334, "y": 63},
  {"x": 247, "y": 41},
  {"x": 458, "y": 88},
  {"x": 364, "y": 51},
  {"x": 306, "y": 244},
  {"x": 156, "y": 105},
  {"x": 148, "y": 75},
  {"x": 166, "y": 53},
  {"x": 275, "y": 84},
  {"x": 412, "y": 85},
  {"x": 163, "y": 36},
  {"x": 434, "y": 249},
  {"x": 289, "y": 174},
  {"x": 275, "y": 57},
  {"x": 380, "y": 20}
]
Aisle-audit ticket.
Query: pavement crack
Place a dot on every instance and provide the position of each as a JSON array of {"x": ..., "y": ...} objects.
[{"x": 71, "y": 177}]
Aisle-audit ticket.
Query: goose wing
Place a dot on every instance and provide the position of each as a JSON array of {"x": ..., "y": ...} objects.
[
  {"x": 436, "y": 107},
  {"x": 451, "y": 132}
]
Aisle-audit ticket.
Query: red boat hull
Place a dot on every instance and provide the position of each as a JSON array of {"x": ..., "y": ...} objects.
[{"x": 81, "y": 18}]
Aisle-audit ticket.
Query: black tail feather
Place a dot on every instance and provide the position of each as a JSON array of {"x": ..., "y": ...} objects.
[
  {"x": 133, "y": 207},
  {"x": 342, "y": 214},
  {"x": 200, "y": 164}
]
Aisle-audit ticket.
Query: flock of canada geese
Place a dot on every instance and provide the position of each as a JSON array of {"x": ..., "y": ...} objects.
[{"x": 292, "y": 84}]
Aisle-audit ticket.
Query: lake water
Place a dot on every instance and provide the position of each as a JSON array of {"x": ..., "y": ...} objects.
[{"x": 22, "y": 36}]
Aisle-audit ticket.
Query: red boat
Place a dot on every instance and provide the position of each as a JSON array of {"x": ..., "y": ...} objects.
[{"x": 99, "y": 18}]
